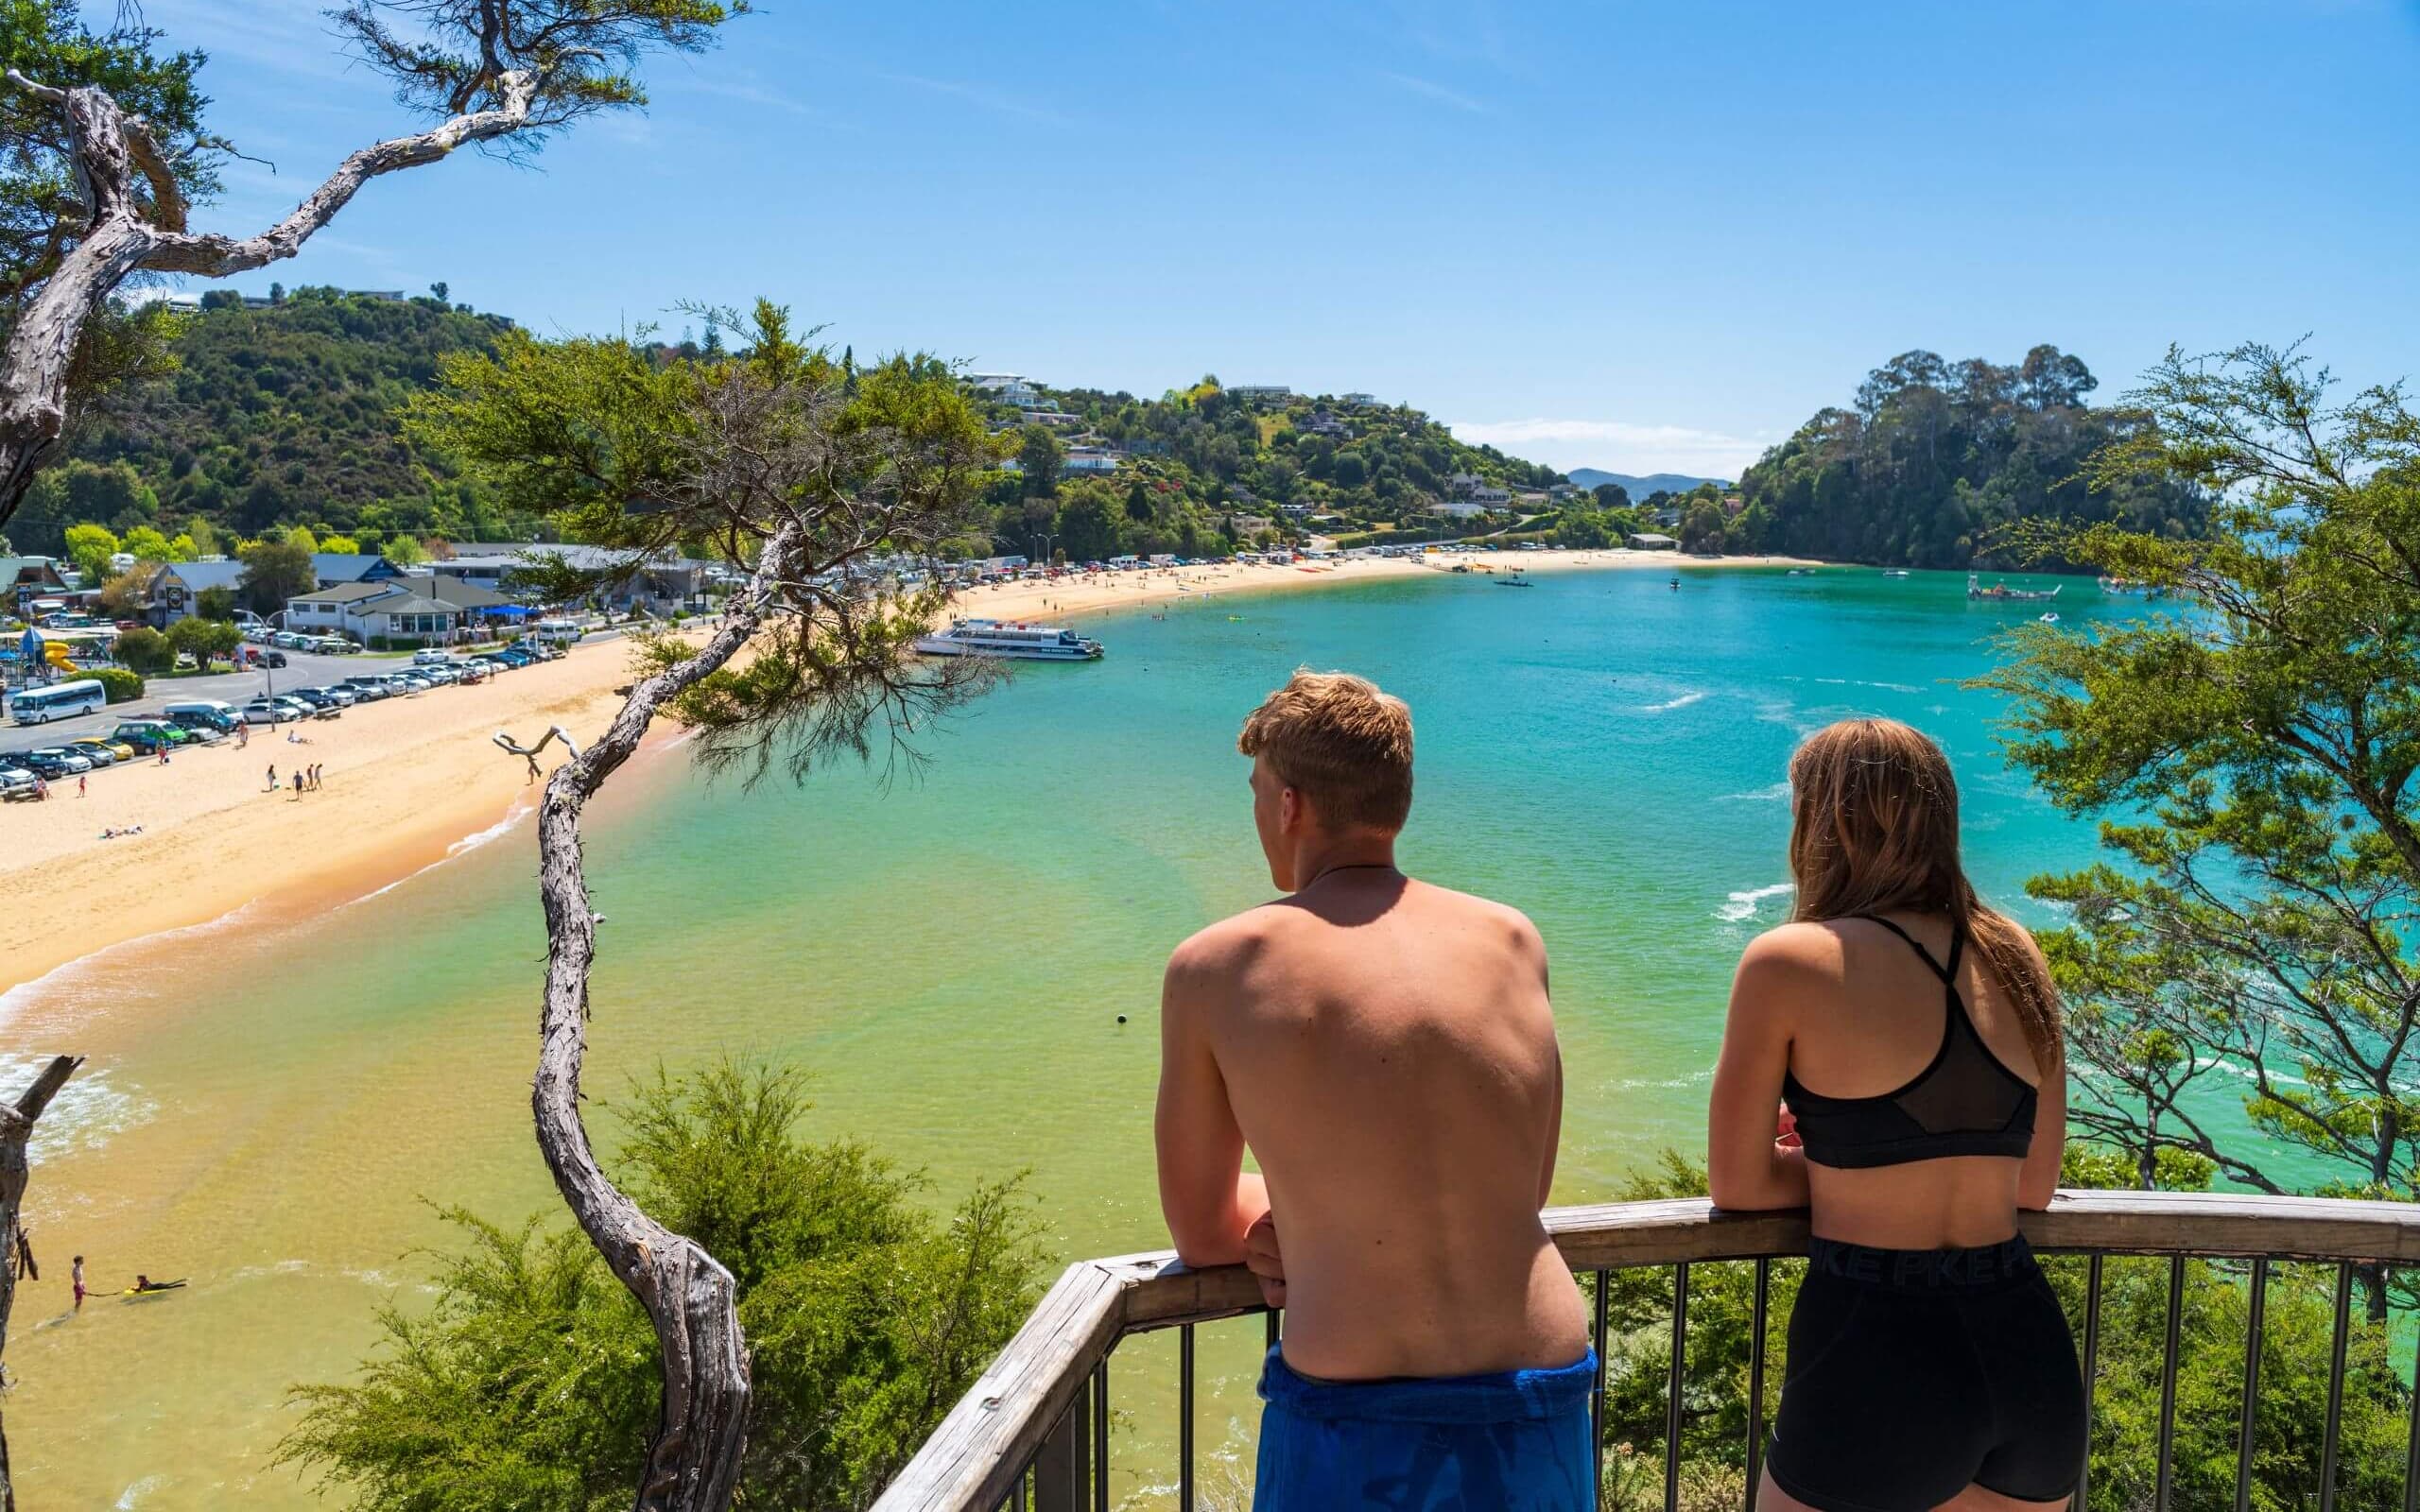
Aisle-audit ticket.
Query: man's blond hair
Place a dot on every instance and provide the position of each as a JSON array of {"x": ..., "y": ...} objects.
[{"x": 1342, "y": 744}]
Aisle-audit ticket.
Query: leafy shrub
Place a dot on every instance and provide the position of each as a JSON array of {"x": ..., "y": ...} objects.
[
  {"x": 531, "y": 1385},
  {"x": 146, "y": 651},
  {"x": 118, "y": 685}
]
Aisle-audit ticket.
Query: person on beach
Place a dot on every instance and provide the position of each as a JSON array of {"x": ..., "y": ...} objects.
[
  {"x": 79, "y": 785},
  {"x": 75, "y": 1279},
  {"x": 272, "y": 777},
  {"x": 1909, "y": 1037},
  {"x": 1386, "y": 1050}
]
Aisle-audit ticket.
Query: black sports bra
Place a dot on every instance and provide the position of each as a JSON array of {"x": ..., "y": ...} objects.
[{"x": 1967, "y": 1102}]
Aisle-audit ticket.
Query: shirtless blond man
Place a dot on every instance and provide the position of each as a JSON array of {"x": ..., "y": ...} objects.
[{"x": 1386, "y": 1050}]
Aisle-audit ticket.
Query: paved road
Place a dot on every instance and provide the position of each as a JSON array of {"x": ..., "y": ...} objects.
[{"x": 302, "y": 669}]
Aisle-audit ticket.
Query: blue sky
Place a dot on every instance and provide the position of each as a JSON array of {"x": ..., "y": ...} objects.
[{"x": 1632, "y": 236}]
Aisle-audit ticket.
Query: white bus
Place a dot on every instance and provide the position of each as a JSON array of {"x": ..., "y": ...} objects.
[{"x": 60, "y": 700}]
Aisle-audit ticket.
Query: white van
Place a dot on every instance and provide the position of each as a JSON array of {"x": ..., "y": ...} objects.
[
  {"x": 556, "y": 632},
  {"x": 209, "y": 711}
]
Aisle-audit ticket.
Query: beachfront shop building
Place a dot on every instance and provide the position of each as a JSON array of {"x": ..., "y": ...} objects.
[
  {"x": 399, "y": 613},
  {"x": 176, "y": 588}
]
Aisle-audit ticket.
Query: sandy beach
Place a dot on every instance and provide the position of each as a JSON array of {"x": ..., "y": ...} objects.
[{"x": 407, "y": 778}]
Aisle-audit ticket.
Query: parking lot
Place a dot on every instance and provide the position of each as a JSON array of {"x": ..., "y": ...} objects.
[{"x": 303, "y": 670}]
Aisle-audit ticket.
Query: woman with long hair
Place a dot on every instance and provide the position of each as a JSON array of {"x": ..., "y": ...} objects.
[{"x": 1909, "y": 1037}]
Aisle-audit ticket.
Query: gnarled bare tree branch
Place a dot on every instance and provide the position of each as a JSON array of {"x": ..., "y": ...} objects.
[
  {"x": 693, "y": 1464},
  {"x": 17, "y": 1122}
]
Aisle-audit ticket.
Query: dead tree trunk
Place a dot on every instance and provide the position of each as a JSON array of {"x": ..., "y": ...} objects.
[
  {"x": 116, "y": 161},
  {"x": 693, "y": 1462},
  {"x": 17, "y": 1127}
]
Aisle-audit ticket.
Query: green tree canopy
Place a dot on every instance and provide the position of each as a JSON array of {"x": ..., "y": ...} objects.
[
  {"x": 275, "y": 571},
  {"x": 531, "y": 1385},
  {"x": 2251, "y": 944}
]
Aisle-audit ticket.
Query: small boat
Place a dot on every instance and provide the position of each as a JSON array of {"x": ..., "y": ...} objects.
[
  {"x": 1894, "y": 572},
  {"x": 1516, "y": 580},
  {"x": 2002, "y": 592},
  {"x": 1011, "y": 640},
  {"x": 2051, "y": 618},
  {"x": 1801, "y": 572}
]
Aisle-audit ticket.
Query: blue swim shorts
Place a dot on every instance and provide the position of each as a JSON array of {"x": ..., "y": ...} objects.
[{"x": 1511, "y": 1442}]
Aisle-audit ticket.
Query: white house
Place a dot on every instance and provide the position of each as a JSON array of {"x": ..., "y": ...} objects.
[{"x": 425, "y": 608}]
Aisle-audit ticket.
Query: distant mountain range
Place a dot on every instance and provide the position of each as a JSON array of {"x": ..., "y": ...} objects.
[{"x": 1638, "y": 487}]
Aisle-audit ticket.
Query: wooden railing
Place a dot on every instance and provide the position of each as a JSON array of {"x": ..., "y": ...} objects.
[{"x": 1036, "y": 1423}]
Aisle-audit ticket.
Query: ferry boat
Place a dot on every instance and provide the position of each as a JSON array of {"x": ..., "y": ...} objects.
[{"x": 1012, "y": 639}]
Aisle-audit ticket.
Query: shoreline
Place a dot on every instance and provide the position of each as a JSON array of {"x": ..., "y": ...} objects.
[{"x": 410, "y": 780}]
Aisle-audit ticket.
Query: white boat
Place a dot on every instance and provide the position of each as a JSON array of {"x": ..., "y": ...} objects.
[
  {"x": 2051, "y": 619},
  {"x": 1011, "y": 639}
]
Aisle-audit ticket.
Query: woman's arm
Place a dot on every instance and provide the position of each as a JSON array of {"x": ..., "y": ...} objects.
[
  {"x": 1747, "y": 1169},
  {"x": 2040, "y": 1178}
]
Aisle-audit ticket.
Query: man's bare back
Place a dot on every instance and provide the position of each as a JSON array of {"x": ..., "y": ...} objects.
[{"x": 1386, "y": 1050}]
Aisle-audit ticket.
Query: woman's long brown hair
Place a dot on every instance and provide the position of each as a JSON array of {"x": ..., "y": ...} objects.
[{"x": 1875, "y": 831}]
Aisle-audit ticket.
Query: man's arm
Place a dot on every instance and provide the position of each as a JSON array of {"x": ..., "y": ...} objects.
[{"x": 1208, "y": 1199}]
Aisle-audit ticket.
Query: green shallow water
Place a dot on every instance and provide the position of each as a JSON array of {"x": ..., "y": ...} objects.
[{"x": 272, "y": 1097}]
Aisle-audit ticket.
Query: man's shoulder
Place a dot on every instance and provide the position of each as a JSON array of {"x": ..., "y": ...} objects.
[
  {"x": 1231, "y": 943},
  {"x": 1485, "y": 912}
]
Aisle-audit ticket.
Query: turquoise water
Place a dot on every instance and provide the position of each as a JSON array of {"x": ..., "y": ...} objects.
[{"x": 948, "y": 955}]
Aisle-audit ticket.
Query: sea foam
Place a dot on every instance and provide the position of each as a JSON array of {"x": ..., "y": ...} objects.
[{"x": 1744, "y": 905}]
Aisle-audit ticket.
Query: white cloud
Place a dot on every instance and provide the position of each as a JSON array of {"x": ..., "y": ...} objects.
[
  {"x": 1434, "y": 91},
  {"x": 1617, "y": 446}
]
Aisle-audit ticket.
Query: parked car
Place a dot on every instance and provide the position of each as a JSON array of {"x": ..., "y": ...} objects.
[
  {"x": 268, "y": 710},
  {"x": 48, "y": 764},
  {"x": 343, "y": 695},
  {"x": 96, "y": 750},
  {"x": 371, "y": 688},
  {"x": 118, "y": 750},
  {"x": 77, "y": 762},
  {"x": 146, "y": 736},
  {"x": 292, "y": 640},
  {"x": 332, "y": 645},
  {"x": 310, "y": 697},
  {"x": 16, "y": 784}
]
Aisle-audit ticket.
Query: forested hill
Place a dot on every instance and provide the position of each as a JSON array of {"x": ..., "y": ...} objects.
[
  {"x": 285, "y": 415},
  {"x": 1935, "y": 460},
  {"x": 1209, "y": 467},
  {"x": 275, "y": 416}
]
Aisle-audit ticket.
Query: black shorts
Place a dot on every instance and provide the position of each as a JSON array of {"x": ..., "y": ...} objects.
[{"x": 1914, "y": 1374}]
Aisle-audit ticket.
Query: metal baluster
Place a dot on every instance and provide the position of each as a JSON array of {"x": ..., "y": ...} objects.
[
  {"x": 1274, "y": 1330},
  {"x": 2336, "y": 1386},
  {"x": 1100, "y": 1435},
  {"x": 2254, "y": 1327},
  {"x": 1672, "y": 1389},
  {"x": 2411, "y": 1446},
  {"x": 1596, "y": 1397},
  {"x": 1060, "y": 1465},
  {"x": 2091, "y": 1368},
  {"x": 2167, "y": 1384},
  {"x": 1016, "y": 1498},
  {"x": 1757, "y": 1380},
  {"x": 1185, "y": 1419}
]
